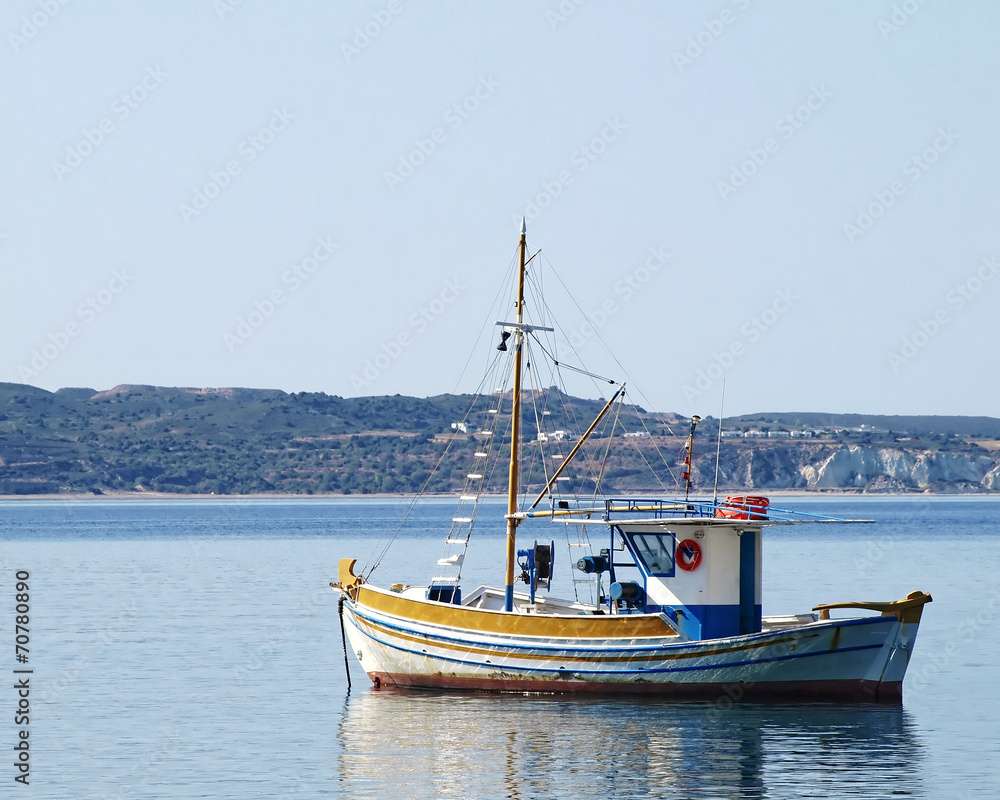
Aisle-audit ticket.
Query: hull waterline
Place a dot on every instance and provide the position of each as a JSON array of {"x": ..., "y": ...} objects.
[{"x": 839, "y": 691}]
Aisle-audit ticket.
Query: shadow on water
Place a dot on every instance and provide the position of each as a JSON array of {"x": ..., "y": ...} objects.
[{"x": 418, "y": 744}]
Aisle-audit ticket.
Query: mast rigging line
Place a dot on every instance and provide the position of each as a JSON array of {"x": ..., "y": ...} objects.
[
  {"x": 555, "y": 321},
  {"x": 493, "y": 304},
  {"x": 558, "y": 379},
  {"x": 597, "y": 334},
  {"x": 488, "y": 480},
  {"x": 409, "y": 510},
  {"x": 582, "y": 371},
  {"x": 718, "y": 443},
  {"x": 532, "y": 258},
  {"x": 569, "y": 412},
  {"x": 656, "y": 447},
  {"x": 593, "y": 327},
  {"x": 652, "y": 471},
  {"x": 533, "y": 378},
  {"x": 497, "y": 384},
  {"x": 576, "y": 448},
  {"x": 534, "y": 279},
  {"x": 558, "y": 372},
  {"x": 607, "y": 450}
]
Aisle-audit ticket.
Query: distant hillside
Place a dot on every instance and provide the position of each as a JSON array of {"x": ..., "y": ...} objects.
[{"x": 236, "y": 440}]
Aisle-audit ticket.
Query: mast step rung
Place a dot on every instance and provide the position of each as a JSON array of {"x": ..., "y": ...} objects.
[
  {"x": 454, "y": 541},
  {"x": 474, "y": 476},
  {"x": 472, "y": 497},
  {"x": 462, "y": 520},
  {"x": 579, "y": 544},
  {"x": 493, "y": 411},
  {"x": 480, "y": 454}
]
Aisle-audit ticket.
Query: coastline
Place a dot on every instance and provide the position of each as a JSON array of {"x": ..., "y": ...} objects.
[{"x": 374, "y": 496}]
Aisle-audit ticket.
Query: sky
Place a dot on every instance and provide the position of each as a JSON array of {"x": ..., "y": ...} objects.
[{"x": 799, "y": 199}]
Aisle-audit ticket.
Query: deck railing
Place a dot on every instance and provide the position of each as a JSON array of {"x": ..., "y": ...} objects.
[{"x": 734, "y": 507}]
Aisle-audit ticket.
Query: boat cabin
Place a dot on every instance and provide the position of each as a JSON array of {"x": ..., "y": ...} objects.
[{"x": 704, "y": 574}]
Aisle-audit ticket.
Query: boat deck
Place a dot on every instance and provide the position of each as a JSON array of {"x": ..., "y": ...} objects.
[{"x": 492, "y": 598}]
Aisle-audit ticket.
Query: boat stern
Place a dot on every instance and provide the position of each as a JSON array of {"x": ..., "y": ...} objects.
[{"x": 895, "y": 656}]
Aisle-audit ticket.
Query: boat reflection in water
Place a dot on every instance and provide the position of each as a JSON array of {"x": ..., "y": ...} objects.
[{"x": 428, "y": 744}]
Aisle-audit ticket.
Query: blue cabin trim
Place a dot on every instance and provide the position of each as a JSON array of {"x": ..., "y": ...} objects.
[
  {"x": 708, "y": 622},
  {"x": 750, "y": 612}
]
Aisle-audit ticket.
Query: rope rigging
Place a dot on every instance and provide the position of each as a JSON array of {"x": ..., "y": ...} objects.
[{"x": 538, "y": 345}]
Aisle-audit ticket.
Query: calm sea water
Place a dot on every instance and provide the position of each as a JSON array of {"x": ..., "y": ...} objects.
[{"x": 191, "y": 650}]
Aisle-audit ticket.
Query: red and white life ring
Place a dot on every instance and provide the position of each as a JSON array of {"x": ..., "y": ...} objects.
[{"x": 688, "y": 555}]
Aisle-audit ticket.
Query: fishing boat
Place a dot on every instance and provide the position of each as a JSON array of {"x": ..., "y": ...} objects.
[{"x": 676, "y": 604}]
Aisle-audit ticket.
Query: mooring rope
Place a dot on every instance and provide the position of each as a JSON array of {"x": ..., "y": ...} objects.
[{"x": 343, "y": 639}]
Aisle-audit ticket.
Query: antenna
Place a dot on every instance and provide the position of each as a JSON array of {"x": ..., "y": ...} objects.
[
  {"x": 718, "y": 444},
  {"x": 688, "y": 448}
]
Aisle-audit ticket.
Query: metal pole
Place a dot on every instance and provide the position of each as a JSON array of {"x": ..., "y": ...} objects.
[{"x": 718, "y": 445}]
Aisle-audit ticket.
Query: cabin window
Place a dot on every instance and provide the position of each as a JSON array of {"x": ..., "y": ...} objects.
[{"x": 656, "y": 552}]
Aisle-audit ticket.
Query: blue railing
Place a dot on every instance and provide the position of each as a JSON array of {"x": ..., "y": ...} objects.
[{"x": 753, "y": 508}]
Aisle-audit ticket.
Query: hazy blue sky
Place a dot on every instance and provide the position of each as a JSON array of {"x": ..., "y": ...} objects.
[{"x": 802, "y": 196}]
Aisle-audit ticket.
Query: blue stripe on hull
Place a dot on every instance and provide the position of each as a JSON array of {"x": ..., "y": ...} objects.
[{"x": 657, "y": 671}]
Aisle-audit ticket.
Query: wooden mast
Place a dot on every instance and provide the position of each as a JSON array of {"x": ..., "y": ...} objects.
[{"x": 515, "y": 428}]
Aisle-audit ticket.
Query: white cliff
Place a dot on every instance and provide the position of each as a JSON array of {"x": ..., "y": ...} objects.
[{"x": 867, "y": 467}]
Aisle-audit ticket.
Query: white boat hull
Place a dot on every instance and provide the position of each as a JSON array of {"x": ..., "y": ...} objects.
[{"x": 860, "y": 659}]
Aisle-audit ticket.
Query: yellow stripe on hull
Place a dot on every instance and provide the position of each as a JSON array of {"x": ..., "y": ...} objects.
[
  {"x": 536, "y": 656},
  {"x": 482, "y": 620}
]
